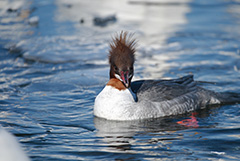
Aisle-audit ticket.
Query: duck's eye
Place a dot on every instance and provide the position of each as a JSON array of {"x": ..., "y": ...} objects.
[{"x": 115, "y": 68}]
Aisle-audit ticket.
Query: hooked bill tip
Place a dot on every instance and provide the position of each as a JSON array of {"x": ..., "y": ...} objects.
[{"x": 125, "y": 77}]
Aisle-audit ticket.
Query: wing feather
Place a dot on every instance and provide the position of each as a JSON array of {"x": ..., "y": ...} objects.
[{"x": 163, "y": 90}]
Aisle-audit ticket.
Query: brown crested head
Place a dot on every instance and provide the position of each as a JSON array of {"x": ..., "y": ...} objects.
[{"x": 121, "y": 57}]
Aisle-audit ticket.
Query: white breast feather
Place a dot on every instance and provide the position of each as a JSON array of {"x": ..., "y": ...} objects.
[{"x": 113, "y": 104}]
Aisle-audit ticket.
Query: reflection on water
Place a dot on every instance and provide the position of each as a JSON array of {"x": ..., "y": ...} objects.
[
  {"x": 50, "y": 74},
  {"x": 165, "y": 138},
  {"x": 130, "y": 136}
]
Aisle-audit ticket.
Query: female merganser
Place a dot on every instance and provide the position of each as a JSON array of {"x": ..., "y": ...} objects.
[{"x": 122, "y": 99}]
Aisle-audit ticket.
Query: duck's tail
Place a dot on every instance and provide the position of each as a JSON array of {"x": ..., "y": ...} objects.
[{"x": 228, "y": 98}]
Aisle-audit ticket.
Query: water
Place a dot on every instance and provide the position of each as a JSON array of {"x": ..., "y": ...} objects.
[{"x": 51, "y": 72}]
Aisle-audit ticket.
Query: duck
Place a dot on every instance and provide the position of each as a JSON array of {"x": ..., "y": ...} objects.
[{"x": 122, "y": 100}]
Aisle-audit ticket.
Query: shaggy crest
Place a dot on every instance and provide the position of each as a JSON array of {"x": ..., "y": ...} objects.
[{"x": 121, "y": 45}]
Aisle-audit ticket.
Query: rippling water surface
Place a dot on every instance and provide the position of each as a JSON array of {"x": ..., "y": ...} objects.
[{"x": 53, "y": 63}]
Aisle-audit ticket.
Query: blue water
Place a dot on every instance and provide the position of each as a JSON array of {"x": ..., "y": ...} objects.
[{"x": 51, "y": 72}]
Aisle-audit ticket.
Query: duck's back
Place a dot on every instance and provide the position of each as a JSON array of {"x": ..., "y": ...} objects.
[
  {"x": 163, "y": 90},
  {"x": 174, "y": 96}
]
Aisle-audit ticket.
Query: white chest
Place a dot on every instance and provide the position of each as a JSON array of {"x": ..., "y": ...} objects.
[{"x": 113, "y": 104}]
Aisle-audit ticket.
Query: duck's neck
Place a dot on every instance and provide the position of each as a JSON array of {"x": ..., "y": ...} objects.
[
  {"x": 116, "y": 83},
  {"x": 111, "y": 73}
]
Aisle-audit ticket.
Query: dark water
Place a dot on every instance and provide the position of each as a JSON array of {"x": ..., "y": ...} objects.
[{"x": 51, "y": 72}]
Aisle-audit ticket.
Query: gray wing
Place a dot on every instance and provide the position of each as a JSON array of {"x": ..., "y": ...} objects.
[{"x": 163, "y": 90}]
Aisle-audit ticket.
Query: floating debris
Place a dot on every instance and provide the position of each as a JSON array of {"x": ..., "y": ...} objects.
[
  {"x": 68, "y": 5},
  {"x": 12, "y": 10},
  {"x": 104, "y": 20},
  {"x": 33, "y": 21},
  {"x": 81, "y": 21},
  {"x": 14, "y": 6}
]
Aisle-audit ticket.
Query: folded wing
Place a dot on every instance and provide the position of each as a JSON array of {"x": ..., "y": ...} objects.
[{"x": 163, "y": 90}]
